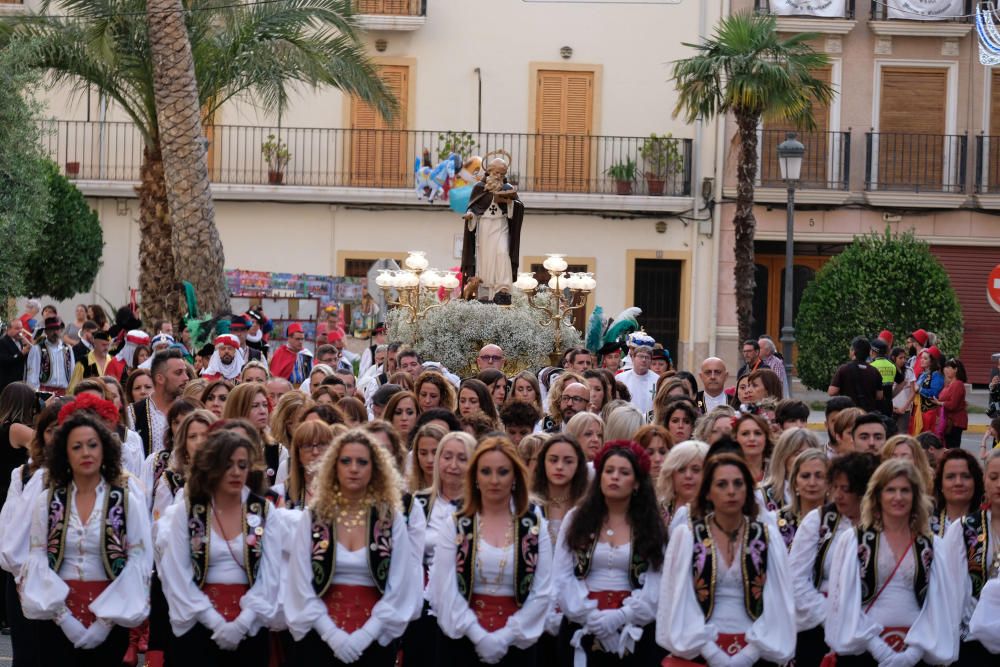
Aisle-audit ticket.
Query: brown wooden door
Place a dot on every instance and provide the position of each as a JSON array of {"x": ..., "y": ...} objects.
[
  {"x": 379, "y": 149},
  {"x": 564, "y": 117},
  {"x": 815, "y": 163},
  {"x": 770, "y": 310},
  {"x": 911, "y": 141}
]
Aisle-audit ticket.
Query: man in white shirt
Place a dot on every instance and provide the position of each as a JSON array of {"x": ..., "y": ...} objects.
[
  {"x": 50, "y": 361},
  {"x": 641, "y": 381}
]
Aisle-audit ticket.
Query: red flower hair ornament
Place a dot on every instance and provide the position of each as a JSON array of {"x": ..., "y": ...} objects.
[
  {"x": 106, "y": 410},
  {"x": 613, "y": 447}
]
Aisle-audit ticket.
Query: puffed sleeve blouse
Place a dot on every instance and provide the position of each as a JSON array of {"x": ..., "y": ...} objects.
[
  {"x": 188, "y": 603},
  {"x": 15, "y": 531},
  {"x": 980, "y": 617},
  {"x": 933, "y": 633},
  {"x": 681, "y": 626},
  {"x": 304, "y": 610},
  {"x": 457, "y": 620},
  {"x": 125, "y": 601},
  {"x": 810, "y": 601}
]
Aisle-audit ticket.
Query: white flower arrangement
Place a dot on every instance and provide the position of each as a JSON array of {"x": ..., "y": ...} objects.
[{"x": 453, "y": 333}]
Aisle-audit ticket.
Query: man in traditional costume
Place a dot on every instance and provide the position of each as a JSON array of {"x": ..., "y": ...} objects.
[
  {"x": 492, "y": 238},
  {"x": 97, "y": 360},
  {"x": 50, "y": 361},
  {"x": 227, "y": 361},
  {"x": 292, "y": 361}
]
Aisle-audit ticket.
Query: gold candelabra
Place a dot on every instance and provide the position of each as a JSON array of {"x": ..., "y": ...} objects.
[
  {"x": 414, "y": 282},
  {"x": 559, "y": 305}
]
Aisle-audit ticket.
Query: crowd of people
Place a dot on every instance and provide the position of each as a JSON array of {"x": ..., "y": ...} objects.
[{"x": 237, "y": 505}]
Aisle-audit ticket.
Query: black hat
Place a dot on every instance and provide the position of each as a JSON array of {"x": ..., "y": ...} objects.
[
  {"x": 237, "y": 322},
  {"x": 102, "y": 335},
  {"x": 207, "y": 350},
  {"x": 54, "y": 322},
  {"x": 660, "y": 353},
  {"x": 254, "y": 315},
  {"x": 608, "y": 348}
]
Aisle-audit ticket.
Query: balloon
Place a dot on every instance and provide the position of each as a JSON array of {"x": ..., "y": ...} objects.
[{"x": 458, "y": 198}]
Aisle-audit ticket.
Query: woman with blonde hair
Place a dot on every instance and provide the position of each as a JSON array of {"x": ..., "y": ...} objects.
[
  {"x": 255, "y": 371},
  {"x": 528, "y": 450},
  {"x": 353, "y": 410},
  {"x": 434, "y": 391},
  {"x": 249, "y": 401},
  {"x": 889, "y": 600},
  {"x": 421, "y": 465},
  {"x": 490, "y": 580},
  {"x": 188, "y": 439},
  {"x": 353, "y": 583},
  {"x": 622, "y": 423},
  {"x": 679, "y": 480},
  {"x": 904, "y": 446},
  {"x": 712, "y": 426},
  {"x": 588, "y": 429},
  {"x": 310, "y": 442},
  {"x": 807, "y": 488},
  {"x": 776, "y": 487}
]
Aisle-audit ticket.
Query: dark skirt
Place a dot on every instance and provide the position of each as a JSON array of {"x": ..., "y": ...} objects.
[
  {"x": 23, "y": 631},
  {"x": 55, "y": 649},
  {"x": 195, "y": 647},
  {"x": 312, "y": 650},
  {"x": 647, "y": 651},
  {"x": 810, "y": 647},
  {"x": 974, "y": 654},
  {"x": 420, "y": 640},
  {"x": 463, "y": 652}
]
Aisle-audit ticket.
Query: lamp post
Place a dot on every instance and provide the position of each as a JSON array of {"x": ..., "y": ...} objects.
[
  {"x": 413, "y": 283},
  {"x": 556, "y": 309},
  {"x": 790, "y": 152}
]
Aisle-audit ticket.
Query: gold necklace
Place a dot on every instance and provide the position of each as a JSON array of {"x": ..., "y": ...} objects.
[
  {"x": 731, "y": 537},
  {"x": 350, "y": 515},
  {"x": 508, "y": 540}
]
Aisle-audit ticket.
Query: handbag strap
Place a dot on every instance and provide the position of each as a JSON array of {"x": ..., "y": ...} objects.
[{"x": 889, "y": 578}]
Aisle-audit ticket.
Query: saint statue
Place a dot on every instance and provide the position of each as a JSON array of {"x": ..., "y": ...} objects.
[{"x": 492, "y": 239}]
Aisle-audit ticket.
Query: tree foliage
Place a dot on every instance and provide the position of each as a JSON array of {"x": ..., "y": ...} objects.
[
  {"x": 23, "y": 182},
  {"x": 880, "y": 281},
  {"x": 68, "y": 255}
]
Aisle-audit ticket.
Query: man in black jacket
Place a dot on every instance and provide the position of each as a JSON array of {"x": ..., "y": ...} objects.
[{"x": 14, "y": 347}]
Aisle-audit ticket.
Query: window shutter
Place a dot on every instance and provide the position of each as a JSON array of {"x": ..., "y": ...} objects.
[
  {"x": 993, "y": 160},
  {"x": 815, "y": 163},
  {"x": 911, "y": 126},
  {"x": 565, "y": 102},
  {"x": 378, "y": 152}
]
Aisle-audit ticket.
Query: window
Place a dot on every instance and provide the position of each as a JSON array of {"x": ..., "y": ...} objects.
[
  {"x": 815, "y": 163},
  {"x": 565, "y": 108},
  {"x": 378, "y": 149},
  {"x": 912, "y": 145}
]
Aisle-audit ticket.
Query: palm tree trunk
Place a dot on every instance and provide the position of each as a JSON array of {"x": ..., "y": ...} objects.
[
  {"x": 744, "y": 223},
  {"x": 156, "y": 260},
  {"x": 197, "y": 249}
]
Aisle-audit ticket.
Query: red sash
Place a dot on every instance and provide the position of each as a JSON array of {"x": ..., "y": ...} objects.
[
  {"x": 730, "y": 644},
  {"x": 350, "y": 606},
  {"x": 895, "y": 638},
  {"x": 226, "y": 598},
  {"x": 609, "y": 599},
  {"x": 492, "y": 611},
  {"x": 81, "y": 594}
]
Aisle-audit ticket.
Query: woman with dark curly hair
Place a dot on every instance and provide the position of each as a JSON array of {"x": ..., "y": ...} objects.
[
  {"x": 353, "y": 582},
  {"x": 434, "y": 391},
  {"x": 489, "y": 583},
  {"x": 608, "y": 562},
  {"x": 740, "y": 608},
  {"x": 87, "y": 572},
  {"x": 219, "y": 558},
  {"x": 958, "y": 489}
]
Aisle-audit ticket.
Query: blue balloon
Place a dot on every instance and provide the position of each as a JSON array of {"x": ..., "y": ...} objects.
[{"x": 458, "y": 198}]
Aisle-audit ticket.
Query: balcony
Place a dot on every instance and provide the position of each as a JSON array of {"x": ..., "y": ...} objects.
[
  {"x": 988, "y": 171},
  {"x": 915, "y": 170},
  {"x": 884, "y": 21},
  {"x": 393, "y": 15},
  {"x": 9, "y": 7},
  {"x": 826, "y": 22},
  {"x": 377, "y": 166},
  {"x": 826, "y": 168}
]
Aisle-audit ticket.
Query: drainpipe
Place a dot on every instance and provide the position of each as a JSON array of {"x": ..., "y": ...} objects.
[
  {"x": 479, "y": 101},
  {"x": 717, "y": 169}
]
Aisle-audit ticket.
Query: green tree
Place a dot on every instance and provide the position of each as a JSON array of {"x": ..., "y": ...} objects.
[
  {"x": 68, "y": 255},
  {"x": 24, "y": 194},
  {"x": 880, "y": 281},
  {"x": 258, "y": 52},
  {"x": 746, "y": 69}
]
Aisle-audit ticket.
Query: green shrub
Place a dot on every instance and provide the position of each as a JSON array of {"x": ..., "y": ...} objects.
[{"x": 880, "y": 281}]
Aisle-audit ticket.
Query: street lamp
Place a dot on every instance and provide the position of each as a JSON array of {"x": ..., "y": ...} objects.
[
  {"x": 556, "y": 309},
  {"x": 790, "y": 152}
]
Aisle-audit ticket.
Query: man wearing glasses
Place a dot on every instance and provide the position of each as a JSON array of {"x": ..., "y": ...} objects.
[
  {"x": 491, "y": 356},
  {"x": 292, "y": 361}
]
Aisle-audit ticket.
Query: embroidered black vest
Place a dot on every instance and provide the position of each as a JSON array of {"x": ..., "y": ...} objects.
[
  {"x": 272, "y": 458},
  {"x": 324, "y": 550},
  {"x": 788, "y": 524},
  {"x": 174, "y": 481},
  {"x": 526, "y": 530},
  {"x": 976, "y": 534},
  {"x": 143, "y": 422},
  {"x": 923, "y": 551},
  {"x": 938, "y": 522},
  {"x": 583, "y": 558},
  {"x": 829, "y": 519},
  {"x": 255, "y": 513},
  {"x": 114, "y": 546},
  {"x": 160, "y": 462},
  {"x": 771, "y": 500},
  {"x": 45, "y": 363},
  {"x": 703, "y": 566}
]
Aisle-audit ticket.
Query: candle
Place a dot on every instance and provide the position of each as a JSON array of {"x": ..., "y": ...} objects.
[
  {"x": 416, "y": 260},
  {"x": 554, "y": 263}
]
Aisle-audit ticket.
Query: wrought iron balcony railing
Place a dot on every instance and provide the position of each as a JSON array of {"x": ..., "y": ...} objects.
[
  {"x": 326, "y": 157},
  {"x": 916, "y": 162},
  {"x": 826, "y": 164}
]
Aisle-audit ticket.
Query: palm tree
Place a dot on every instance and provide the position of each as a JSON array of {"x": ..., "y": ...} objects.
[
  {"x": 257, "y": 51},
  {"x": 746, "y": 69}
]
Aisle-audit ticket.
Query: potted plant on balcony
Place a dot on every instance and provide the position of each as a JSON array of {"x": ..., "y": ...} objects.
[
  {"x": 276, "y": 154},
  {"x": 462, "y": 144},
  {"x": 662, "y": 159},
  {"x": 623, "y": 174},
  {"x": 72, "y": 169}
]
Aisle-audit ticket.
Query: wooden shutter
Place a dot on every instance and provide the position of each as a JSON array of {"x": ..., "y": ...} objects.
[
  {"x": 378, "y": 149},
  {"x": 993, "y": 157},
  {"x": 386, "y": 7},
  {"x": 815, "y": 163},
  {"x": 911, "y": 141},
  {"x": 564, "y": 108}
]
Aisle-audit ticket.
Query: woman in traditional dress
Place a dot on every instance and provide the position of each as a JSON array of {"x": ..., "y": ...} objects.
[
  {"x": 353, "y": 580},
  {"x": 434, "y": 391},
  {"x": 888, "y": 598},
  {"x": 810, "y": 556},
  {"x": 489, "y": 583},
  {"x": 310, "y": 442},
  {"x": 730, "y": 601},
  {"x": 753, "y": 434},
  {"x": 958, "y": 489},
  {"x": 657, "y": 442},
  {"x": 776, "y": 487},
  {"x": 807, "y": 486},
  {"x": 679, "y": 480},
  {"x": 214, "y": 396},
  {"x": 249, "y": 401},
  {"x": 608, "y": 561},
  {"x": 219, "y": 559},
  {"x": 87, "y": 572}
]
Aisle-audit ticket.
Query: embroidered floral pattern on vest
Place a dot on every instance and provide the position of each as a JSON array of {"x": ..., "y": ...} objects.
[
  {"x": 322, "y": 560},
  {"x": 976, "y": 533},
  {"x": 466, "y": 537},
  {"x": 379, "y": 547},
  {"x": 754, "y": 567},
  {"x": 788, "y": 524},
  {"x": 828, "y": 522},
  {"x": 868, "y": 545},
  {"x": 114, "y": 545}
]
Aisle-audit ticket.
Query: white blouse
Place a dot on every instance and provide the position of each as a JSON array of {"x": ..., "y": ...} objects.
[
  {"x": 125, "y": 601},
  {"x": 681, "y": 626},
  {"x": 188, "y": 603},
  {"x": 305, "y": 611},
  {"x": 15, "y": 531},
  {"x": 457, "y": 620},
  {"x": 132, "y": 452},
  {"x": 933, "y": 635},
  {"x": 225, "y": 560},
  {"x": 986, "y": 610},
  {"x": 494, "y": 570},
  {"x": 441, "y": 513},
  {"x": 810, "y": 603}
]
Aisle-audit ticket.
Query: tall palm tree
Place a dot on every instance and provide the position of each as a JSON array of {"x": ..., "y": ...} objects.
[
  {"x": 746, "y": 69},
  {"x": 257, "y": 51}
]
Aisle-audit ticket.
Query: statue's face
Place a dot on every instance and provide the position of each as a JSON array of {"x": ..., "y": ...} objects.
[{"x": 497, "y": 167}]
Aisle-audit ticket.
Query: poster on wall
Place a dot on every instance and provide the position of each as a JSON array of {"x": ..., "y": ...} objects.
[
  {"x": 833, "y": 9},
  {"x": 925, "y": 10}
]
